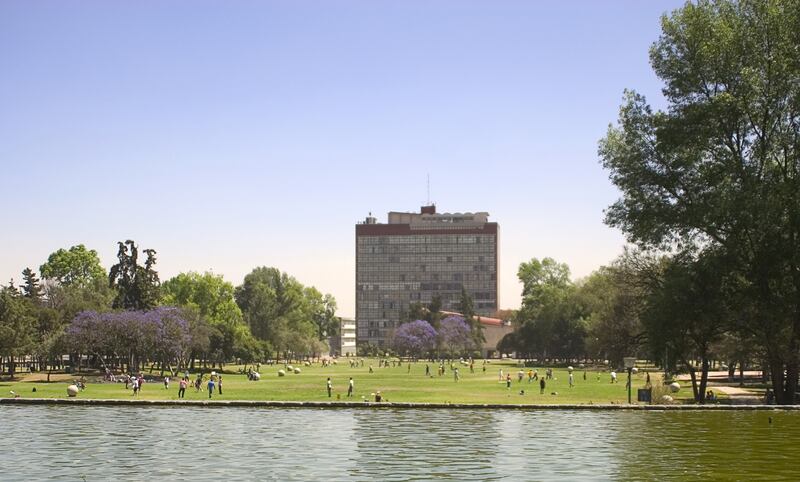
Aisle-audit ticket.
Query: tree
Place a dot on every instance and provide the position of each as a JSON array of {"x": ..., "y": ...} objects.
[
  {"x": 31, "y": 289},
  {"x": 454, "y": 335},
  {"x": 76, "y": 266},
  {"x": 615, "y": 297},
  {"x": 137, "y": 286},
  {"x": 689, "y": 313},
  {"x": 322, "y": 309},
  {"x": 508, "y": 344},
  {"x": 467, "y": 309},
  {"x": 282, "y": 312},
  {"x": 720, "y": 169},
  {"x": 546, "y": 286},
  {"x": 17, "y": 327},
  {"x": 213, "y": 298},
  {"x": 415, "y": 338}
]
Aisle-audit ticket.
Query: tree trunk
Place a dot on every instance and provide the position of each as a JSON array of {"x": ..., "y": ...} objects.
[
  {"x": 703, "y": 382},
  {"x": 776, "y": 372},
  {"x": 741, "y": 373},
  {"x": 693, "y": 375}
]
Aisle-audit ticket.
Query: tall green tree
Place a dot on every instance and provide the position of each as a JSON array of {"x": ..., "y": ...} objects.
[
  {"x": 467, "y": 308},
  {"x": 615, "y": 297},
  {"x": 689, "y": 313},
  {"x": 213, "y": 299},
  {"x": 31, "y": 288},
  {"x": 283, "y": 312},
  {"x": 720, "y": 168},
  {"x": 137, "y": 286},
  {"x": 17, "y": 327},
  {"x": 77, "y": 265}
]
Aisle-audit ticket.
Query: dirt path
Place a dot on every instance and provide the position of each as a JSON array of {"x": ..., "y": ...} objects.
[{"x": 738, "y": 395}]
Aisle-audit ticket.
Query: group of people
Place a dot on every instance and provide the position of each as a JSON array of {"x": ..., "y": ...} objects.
[{"x": 351, "y": 384}]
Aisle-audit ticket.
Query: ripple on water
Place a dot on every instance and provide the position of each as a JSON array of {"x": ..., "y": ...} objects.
[{"x": 165, "y": 443}]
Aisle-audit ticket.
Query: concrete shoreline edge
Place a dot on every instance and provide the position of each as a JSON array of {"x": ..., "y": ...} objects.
[{"x": 382, "y": 405}]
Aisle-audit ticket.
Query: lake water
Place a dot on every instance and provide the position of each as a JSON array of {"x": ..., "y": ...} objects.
[{"x": 195, "y": 443}]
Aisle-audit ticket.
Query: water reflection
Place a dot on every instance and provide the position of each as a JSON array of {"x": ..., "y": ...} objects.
[{"x": 138, "y": 443}]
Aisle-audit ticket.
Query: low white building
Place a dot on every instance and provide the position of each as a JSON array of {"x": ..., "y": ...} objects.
[{"x": 348, "y": 334}]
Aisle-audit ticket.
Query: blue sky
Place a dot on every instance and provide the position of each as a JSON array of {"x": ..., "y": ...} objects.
[{"x": 230, "y": 135}]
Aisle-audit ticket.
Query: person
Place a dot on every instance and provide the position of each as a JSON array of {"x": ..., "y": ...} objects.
[
  {"x": 219, "y": 384},
  {"x": 455, "y": 374},
  {"x": 508, "y": 381},
  {"x": 370, "y": 368},
  {"x": 135, "y": 384},
  {"x": 409, "y": 367},
  {"x": 710, "y": 397},
  {"x": 471, "y": 366},
  {"x": 584, "y": 375},
  {"x": 530, "y": 376},
  {"x": 182, "y": 387},
  {"x": 427, "y": 370},
  {"x": 166, "y": 383},
  {"x": 330, "y": 387},
  {"x": 141, "y": 382},
  {"x": 520, "y": 374},
  {"x": 378, "y": 397},
  {"x": 501, "y": 374},
  {"x": 210, "y": 387},
  {"x": 647, "y": 380},
  {"x": 536, "y": 374},
  {"x": 571, "y": 380},
  {"x": 613, "y": 377},
  {"x": 541, "y": 386},
  {"x": 350, "y": 388}
]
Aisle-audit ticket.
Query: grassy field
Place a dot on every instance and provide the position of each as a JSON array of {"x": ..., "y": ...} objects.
[{"x": 397, "y": 384}]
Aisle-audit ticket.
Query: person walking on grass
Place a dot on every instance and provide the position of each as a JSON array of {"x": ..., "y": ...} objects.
[
  {"x": 135, "y": 385},
  {"x": 166, "y": 383},
  {"x": 455, "y": 375},
  {"x": 219, "y": 384},
  {"x": 182, "y": 387},
  {"x": 330, "y": 387},
  {"x": 210, "y": 387},
  {"x": 350, "y": 388},
  {"x": 541, "y": 386},
  {"x": 508, "y": 381},
  {"x": 571, "y": 380}
]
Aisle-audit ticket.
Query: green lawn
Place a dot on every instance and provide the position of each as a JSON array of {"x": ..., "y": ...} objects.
[{"x": 396, "y": 384}]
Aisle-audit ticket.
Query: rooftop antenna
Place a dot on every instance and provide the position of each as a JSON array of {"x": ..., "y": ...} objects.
[{"x": 429, "y": 190}]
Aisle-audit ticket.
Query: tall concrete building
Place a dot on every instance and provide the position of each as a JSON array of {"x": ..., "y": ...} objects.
[{"x": 415, "y": 256}]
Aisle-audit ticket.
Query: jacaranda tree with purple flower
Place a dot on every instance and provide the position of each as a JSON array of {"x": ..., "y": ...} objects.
[
  {"x": 455, "y": 336},
  {"x": 132, "y": 337},
  {"x": 414, "y": 338}
]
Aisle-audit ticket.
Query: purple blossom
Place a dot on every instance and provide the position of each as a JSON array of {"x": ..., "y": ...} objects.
[
  {"x": 454, "y": 334},
  {"x": 162, "y": 333},
  {"x": 415, "y": 337}
]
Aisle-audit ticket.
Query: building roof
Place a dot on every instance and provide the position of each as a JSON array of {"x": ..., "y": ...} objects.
[{"x": 485, "y": 320}]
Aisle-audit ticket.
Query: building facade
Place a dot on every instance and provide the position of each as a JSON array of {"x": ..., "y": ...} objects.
[
  {"x": 416, "y": 256},
  {"x": 348, "y": 335}
]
